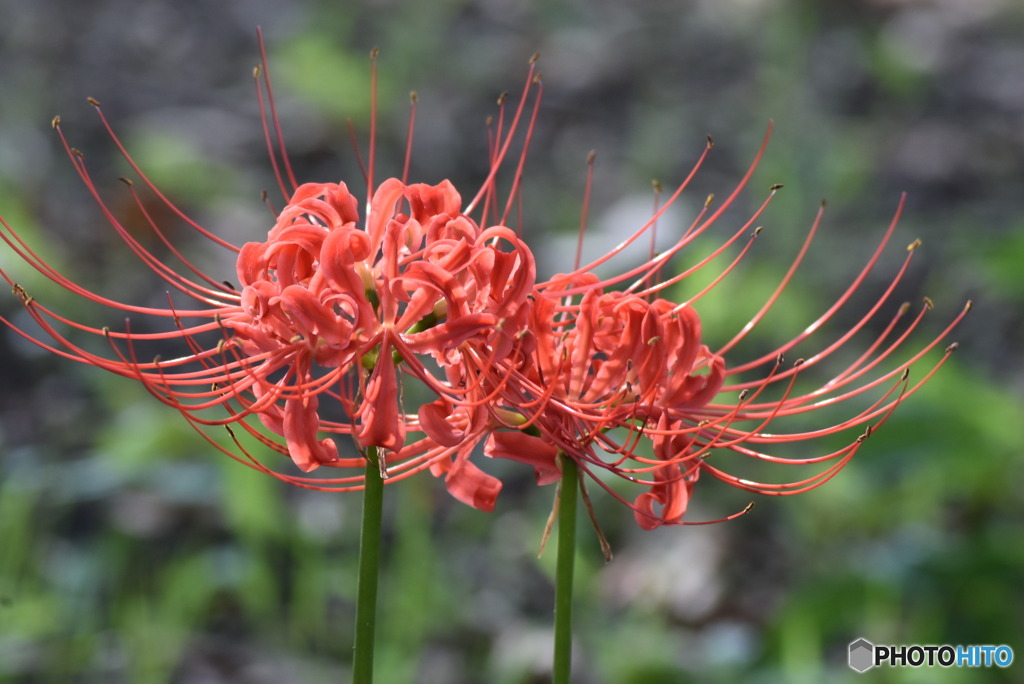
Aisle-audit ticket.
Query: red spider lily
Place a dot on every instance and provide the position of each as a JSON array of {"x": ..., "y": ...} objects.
[
  {"x": 330, "y": 307},
  {"x": 614, "y": 370},
  {"x": 334, "y": 308}
]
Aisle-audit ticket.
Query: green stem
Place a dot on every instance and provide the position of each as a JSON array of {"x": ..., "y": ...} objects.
[
  {"x": 369, "y": 563},
  {"x": 564, "y": 572}
]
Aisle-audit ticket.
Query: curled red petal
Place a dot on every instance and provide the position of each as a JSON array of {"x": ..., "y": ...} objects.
[
  {"x": 299, "y": 425},
  {"x": 524, "y": 448},
  {"x": 672, "y": 496},
  {"x": 310, "y": 317},
  {"x": 381, "y": 424},
  {"x": 427, "y": 201},
  {"x": 451, "y": 334},
  {"x": 434, "y": 421},
  {"x": 472, "y": 486},
  {"x": 382, "y": 210}
]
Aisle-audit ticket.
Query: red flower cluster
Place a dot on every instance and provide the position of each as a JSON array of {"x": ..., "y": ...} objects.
[{"x": 335, "y": 313}]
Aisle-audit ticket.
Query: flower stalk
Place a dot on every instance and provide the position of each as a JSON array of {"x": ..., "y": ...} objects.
[
  {"x": 564, "y": 570},
  {"x": 369, "y": 574}
]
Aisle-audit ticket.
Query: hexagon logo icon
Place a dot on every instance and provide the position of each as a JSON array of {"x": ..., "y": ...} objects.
[{"x": 862, "y": 655}]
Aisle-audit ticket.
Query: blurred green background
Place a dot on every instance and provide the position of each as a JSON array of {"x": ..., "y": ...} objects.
[{"x": 131, "y": 553}]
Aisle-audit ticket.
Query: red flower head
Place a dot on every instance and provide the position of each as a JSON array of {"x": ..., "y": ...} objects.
[
  {"x": 332, "y": 308},
  {"x": 335, "y": 311},
  {"x": 621, "y": 381}
]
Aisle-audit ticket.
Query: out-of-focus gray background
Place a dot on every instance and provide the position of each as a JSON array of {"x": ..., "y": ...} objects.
[{"x": 129, "y": 552}]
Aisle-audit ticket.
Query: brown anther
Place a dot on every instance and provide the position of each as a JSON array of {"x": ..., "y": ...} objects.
[
  {"x": 711, "y": 143},
  {"x": 126, "y": 181},
  {"x": 905, "y": 374},
  {"x": 914, "y": 245},
  {"x": 776, "y": 187},
  {"x": 748, "y": 508},
  {"x": 156, "y": 360},
  {"x": 654, "y": 340},
  {"x": 779, "y": 359},
  {"x": 952, "y": 348},
  {"x": 904, "y": 308},
  {"x": 413, "y": 97},
  {"x": 928, "y": 303},
  {"x": 968, "y": 306},
  {"x": 591, "y": 156},
  {"x": 256, "y": 71},
  {"x": 657, "y": 186},
  {"x": 77, "y": 152},
  {"x": 55, "y": 122},
  {"x": 709, "y": 200},
  {"x": 757, "y": 231},
  {"x": 502, "y": 97},
  {"x": 867, "y": 433},
  {"x": 537, "y": 78},
  {"x": 93, "y": 101},
  {"x": 534, "y": 57},
  {"x": 374, "y": 52},
  {"x": 22, "y": 294},
  {"x": 229, "y": 284},
  {"x": 743, "y": 395},
  {"x": 798, "y": 363}
]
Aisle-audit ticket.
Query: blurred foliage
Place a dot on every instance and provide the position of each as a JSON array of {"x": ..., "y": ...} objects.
[{"x": 130, "y": 552}]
